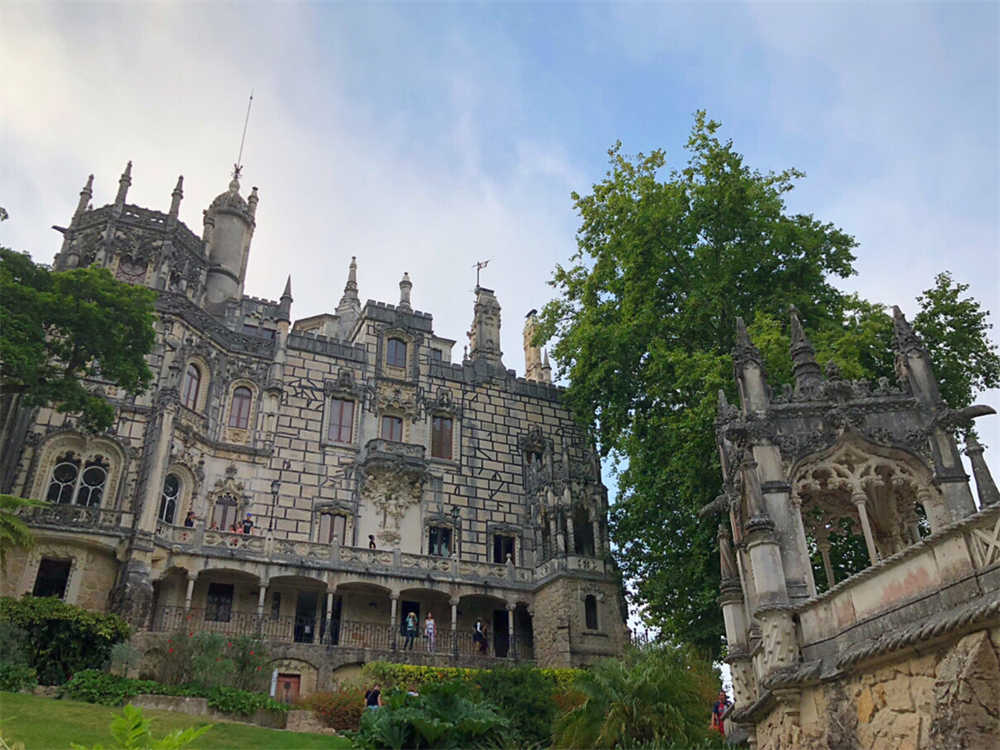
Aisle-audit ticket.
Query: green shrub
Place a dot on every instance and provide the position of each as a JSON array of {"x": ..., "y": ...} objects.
[
  {"x": 210, "y": 664},
  {"x": 130, "y": 731},
  {"x": 15, "y": 677},
  {"x": 340, "y": 709},
  {"x": 650, "y": 698},
  {"x": 97, "y": 686},
  {"x": 250, "y": 661},
  {"x": 62, "y": 639},
  {"x": 124, "y": 656},
  {"x": 525, "y": 696},
  {"x": 13, "y": 644},
  {"x": 413, "y": 677},
  {"x": 232, "y": 701}
]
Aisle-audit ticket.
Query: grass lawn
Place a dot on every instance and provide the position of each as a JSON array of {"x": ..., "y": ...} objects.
[{"x": 49, "y": 724}]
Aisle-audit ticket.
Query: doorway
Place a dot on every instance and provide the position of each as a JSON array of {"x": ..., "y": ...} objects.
[
  {"x": 501, "y": 636},
  {"x": 288, "y": 688},
  {"x": 305, "y": 617}
]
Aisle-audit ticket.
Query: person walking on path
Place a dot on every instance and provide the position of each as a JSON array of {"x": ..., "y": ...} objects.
[
  {"x": 430, "y": 632},
  {"x": 411, "y": 630},
  {"x": 373, "y": 698}
]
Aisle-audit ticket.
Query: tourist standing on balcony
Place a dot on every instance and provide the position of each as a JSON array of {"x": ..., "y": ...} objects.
[
  {"x": 371, "y": 541},
  {"x": 189, "y": 519},
  {"x": 248, "y": 524},
  {"x": 411, "y": 629},
  {"x": 430, "y": 631}
]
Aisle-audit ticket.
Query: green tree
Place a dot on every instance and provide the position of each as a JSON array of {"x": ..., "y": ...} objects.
[
  {"x": 60, "y": 328},
  {"x": 644, "y": 325},
  {"x": 14, "y": 532}
]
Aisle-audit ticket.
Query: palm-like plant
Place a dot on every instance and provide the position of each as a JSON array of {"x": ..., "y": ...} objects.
[
  {"x": 14, "y": 532},
  {"x": 660, "y": 695}
]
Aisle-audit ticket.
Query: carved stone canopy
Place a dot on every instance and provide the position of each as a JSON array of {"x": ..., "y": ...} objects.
[{"x": 392, "y": 485}]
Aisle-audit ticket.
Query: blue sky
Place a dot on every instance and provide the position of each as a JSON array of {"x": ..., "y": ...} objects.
[{"x": 424, "y": 137}]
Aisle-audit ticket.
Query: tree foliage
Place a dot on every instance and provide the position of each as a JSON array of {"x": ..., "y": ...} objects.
[
  {"x": 14, "y": 532},
  {"x": 58, "y": 328},
  {"x": 644, "y": 326}
]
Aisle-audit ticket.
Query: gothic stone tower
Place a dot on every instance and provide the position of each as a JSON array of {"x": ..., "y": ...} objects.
[{"x": 805, "y": 472}]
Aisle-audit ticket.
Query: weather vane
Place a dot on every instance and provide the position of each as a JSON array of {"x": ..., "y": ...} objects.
[{"x": 479, "y": 266}]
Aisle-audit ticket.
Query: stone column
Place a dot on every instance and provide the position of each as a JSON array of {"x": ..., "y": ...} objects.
[
  {"x": 937, "y": 512},
  {"x": 454, "y": 624},
  {"x": 261, "y": 596},
  {"x": 190, "y": 592},
  {"x": 824, "y": 552},
  {"x": 985, "y": 486},
  {"x": 598, "y": 542},
  {"x": 860, "y": 501},
  {"x": 570, "y": 534},
  {"x": 329, "y": 614},
  {"x": 158, "y": 465},
  {"x": 393, "y": 601},
  {"x": 511, "y": 638}
]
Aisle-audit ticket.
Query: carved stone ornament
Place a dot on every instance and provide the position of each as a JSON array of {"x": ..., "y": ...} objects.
[
  {"x": 392, "y": 489},
  {"x": 397, "y": 396}
]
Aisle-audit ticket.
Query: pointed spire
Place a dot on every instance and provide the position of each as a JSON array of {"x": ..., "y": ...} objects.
[
  {"x": 252, "y": 201},
  {"x": 985, "y": 486},
  {"x": 285, "y": 305},
  {"x": 85, "y": 195},
  {"x": 805, "y": 368},
  {"x": 906, "y": 338},
  {"x": 744, "y": 350},
  {"x": 124, "y": 182},
  {"x": 175, "y": 197},
  {"x": 405, "y": 285},
  {"x": 349, "y": 302},
  {"x": 748, "y": 369}
]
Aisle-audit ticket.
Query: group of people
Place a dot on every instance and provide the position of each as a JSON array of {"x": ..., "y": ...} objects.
[{"x": 411, "y": 630}]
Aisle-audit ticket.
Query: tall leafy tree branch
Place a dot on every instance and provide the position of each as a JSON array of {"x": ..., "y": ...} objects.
[{"x": 644, "y": 324}]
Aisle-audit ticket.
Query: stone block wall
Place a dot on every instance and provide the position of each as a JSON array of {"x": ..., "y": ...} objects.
[{"x": 946, "y": 696}]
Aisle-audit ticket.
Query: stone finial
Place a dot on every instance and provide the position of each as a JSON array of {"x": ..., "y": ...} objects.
[
  {"x": 532, "y": 353},
  {"x": 124, "y": 182},
  {"x": 985, "y": 486},
  {"x": 252, "y": 201},
  {"x": 350, "y": 299},
  {"x": 484, "y": 336},
  {"x": 913, "y": 365},
  {"x": 405, "y": 285},
  {"x": 285, "y": 304},
  {"x": 805, "y": 368},
  {"x": 744, "y": 351},
  {"x": 85, "y": 195},
  {"x": 748, "y": 369},
  {"x": 546, "y": 368},
  {"x": 175, "y": 197},
  {"x": 906, "y": 338}
]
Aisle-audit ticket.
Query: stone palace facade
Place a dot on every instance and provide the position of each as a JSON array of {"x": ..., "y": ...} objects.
[
  {"x": 381, "y": 477},
  {"x": 898, "y": 646}
]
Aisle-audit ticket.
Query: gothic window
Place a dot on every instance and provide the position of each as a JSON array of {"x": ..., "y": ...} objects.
[
  {"x": 583, "y": 533},
  {"x": 53, "y": 575},
  {"x": 341, "y": 420},
  {"x": 239, "y": 409},
  {"x": 441, "y": 437},
  {"x": 131, "y": 270},
  {"x": 503, "y": 546},
  {"x": 439, "y": 541},
  {"x": 395, "y": 353},
  {"x": 92, "y": 481},
  {"x": 224, "y": 514},
  {"x": 590, "y": 611},
  {"x": 192, "y": 384},
  {"x": 392, "y": 428},
  {"x": 63, "y": 481},
  {"x": 219, "y": 604},
  {"x": 169, "y": 497},
  {"x": 332, "y": 526}
]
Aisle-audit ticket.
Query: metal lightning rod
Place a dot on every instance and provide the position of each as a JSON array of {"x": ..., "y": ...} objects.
[{"x": 238, "y": 166}]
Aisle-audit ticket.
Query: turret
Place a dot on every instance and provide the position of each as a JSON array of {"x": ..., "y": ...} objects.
[
  {"x": 124, "y": 182},
  {"x": 805, "y": 368},
  {"x": 484, "y": 336},
  {"x": 175, "y": 199},
  {"x": 229, "y": 225}
]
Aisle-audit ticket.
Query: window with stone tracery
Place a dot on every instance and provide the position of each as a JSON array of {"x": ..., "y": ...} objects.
[
  {"x": 169, "y": 498},
  {"x": 71, "y": 483}
]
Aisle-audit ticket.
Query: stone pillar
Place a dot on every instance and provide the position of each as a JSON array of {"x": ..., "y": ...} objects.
[
  {"x": 860, "y": 501},
  {"x": 937, "y": 512},
  {"x": 190, "y": 592},
  {"x": 556, "y": 536},
  {"x": 261, "y": 595},
  {"x": 598, "y": 542},
  {"x": 329, "y": 614},
  {"x": 985, "y": 486},
  {"x": 158, "y": 465},
  {"x": 393, "y": 601},
  {"x": 824, "y": 552},
  {"x": 570, "y": 534},
  {"x": 511, "y": 637},
  {"x": 454, "y": 624}
]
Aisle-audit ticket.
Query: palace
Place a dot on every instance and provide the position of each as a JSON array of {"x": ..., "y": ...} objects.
[{"x": 375, "y": 477}]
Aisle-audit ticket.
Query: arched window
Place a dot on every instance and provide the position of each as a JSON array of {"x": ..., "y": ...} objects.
[
  {"x": 95, "y": 476},
  {"x": 239, "y": 410},
  {"x": 590, "y": 611},
  {"x": 395, "y": 353},
  {"x": 62, "y": 484},
  {"x": 192, "y": 384},
  {"x": 169, "y": 497}
]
